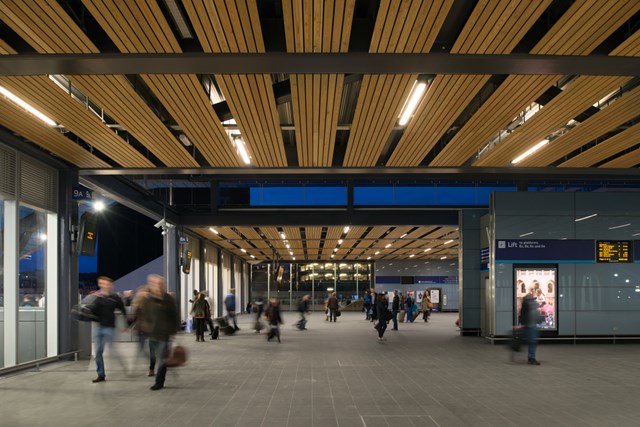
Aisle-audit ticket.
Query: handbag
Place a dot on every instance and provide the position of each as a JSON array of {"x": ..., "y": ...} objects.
[
  {"x": 429, "y": 305},
  {"x": 338, "y": 313},
  {"x": 178, "y": 357}
]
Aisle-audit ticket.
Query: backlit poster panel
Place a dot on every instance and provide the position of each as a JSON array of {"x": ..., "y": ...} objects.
[{"x": 541, "y": 283}]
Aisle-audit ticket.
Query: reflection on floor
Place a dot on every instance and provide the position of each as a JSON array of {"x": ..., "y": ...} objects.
[{"x": 338, "y": 374}]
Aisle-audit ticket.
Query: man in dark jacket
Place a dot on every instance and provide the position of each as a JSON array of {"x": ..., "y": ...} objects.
[
  {"x": 333, "y": 306},
  {"x": 160, "y": 320},
  {"x": 303, "y": 309},
  {"x": 104, "y": 307},
  {"x": 395, "y": 308},
  {"x": 528, "y": 319}
]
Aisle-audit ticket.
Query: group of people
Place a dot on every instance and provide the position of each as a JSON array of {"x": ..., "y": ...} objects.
[
  {"x": 376, "y": 308},
  {"x": 155, "y": 317}
]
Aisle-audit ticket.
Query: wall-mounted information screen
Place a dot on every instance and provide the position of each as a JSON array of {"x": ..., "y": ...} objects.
[{"x": 613, "y": 251}]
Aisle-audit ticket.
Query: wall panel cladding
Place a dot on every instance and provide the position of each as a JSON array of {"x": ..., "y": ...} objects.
[
  {"x": 38, "y": 185},
  {"x": 7, "y": 172}
]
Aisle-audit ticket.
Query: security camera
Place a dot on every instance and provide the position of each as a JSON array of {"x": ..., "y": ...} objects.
[{"x": 160, "y": 224}]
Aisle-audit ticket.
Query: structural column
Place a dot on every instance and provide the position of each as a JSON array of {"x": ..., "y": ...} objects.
[{"x": 469, "y": 270}]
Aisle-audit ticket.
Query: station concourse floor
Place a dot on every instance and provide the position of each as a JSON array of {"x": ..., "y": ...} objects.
[{"x": 338, "y": 374}]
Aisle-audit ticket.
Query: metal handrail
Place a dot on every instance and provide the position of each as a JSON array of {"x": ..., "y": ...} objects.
[{"x": 38, "y": 362}]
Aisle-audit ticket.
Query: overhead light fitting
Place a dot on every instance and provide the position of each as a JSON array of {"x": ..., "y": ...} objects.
[
  {"x": 444, "y": 257},
  {"x": 332, "y": 256},
  {"x": 368, "y": 258},
  {"x": 244, "y": 251},
  {"x": 253, "y": 257},
  {"x": 412, "y": 255},
  {"x": 526, "y": 234},
  {"x": 241, "y": 148},
  {"x": 282, "y": 236},
  {"x": 185, "y": 140},
  {"x": 288, "y": 246},
  {"x": 619, "y": 226},
  {"x": 294, "y": 258},
  {"x": 31, "y": 110},
  {"x": 412, "y": 102},
  {"x": 346, "y": 229},
  {"x": 448, "y": 241},
  {"x": 214, "y": 230},
  {"x": 530, "y": 151},
  {"x": 427, "y": 250},
  {"x": 98, "y": 205},
  {"x": 340, "y": 241},
  {"x": 178, "y": 19},
  {"x": 403, "y": 236},
  {"x": 388, "y": 246},
  {"x": 585, "y": 217},
  {"x": 377, "y": 252},
  {"x": 335, "y": 249},
  {"x": 290, "y": 253}
]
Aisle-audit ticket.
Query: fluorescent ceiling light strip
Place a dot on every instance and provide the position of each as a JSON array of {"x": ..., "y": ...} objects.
[
  {"x": 412, "y": 103},
  {"x": 13, "y": 98},
  {"x": 585, "y": 217},
  {"x": 448, "y": 241},
  {"x": 619, "y": 226},
  {"x": 213, "y": 230},
  {"x": 239, "y": 143},
  {"x": 530, "y": 151},
  {"x": 527, "y": 234}
]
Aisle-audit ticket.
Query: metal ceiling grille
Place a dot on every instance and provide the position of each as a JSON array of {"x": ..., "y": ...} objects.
[{"x": 7, "y": 172}]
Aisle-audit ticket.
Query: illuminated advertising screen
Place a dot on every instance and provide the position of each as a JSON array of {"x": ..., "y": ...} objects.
[
  {"x": 614, "y": 251},
  {"x": 541, "y": 282}
]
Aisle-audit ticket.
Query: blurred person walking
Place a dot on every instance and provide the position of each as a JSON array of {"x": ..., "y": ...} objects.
[
  {"x": 529, "y": 316},
  {"x": 160, "y": 321},
  {"x": 382, "y": 311},
  {"x": 367, "y": 305},
  {"x": 410, "y": 306},
  {"x": 303, "y": 309},
  {"x": 395, "y": 309},
  {"x": 104, "y": 307},
  {"x": 274, "y": 318},
  {"x": 230, "y": 305},
  {"x": 258, "y": 308},
  {"x": 138, "y": 308}
]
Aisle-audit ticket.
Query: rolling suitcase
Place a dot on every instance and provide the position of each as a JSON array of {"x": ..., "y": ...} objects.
[
  {"x": 401, "y": 315},
  {"x": 225, "y": 327}
]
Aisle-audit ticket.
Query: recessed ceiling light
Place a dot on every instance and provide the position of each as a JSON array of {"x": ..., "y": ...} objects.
[
  {"x": 530, "y": 151},
  {"x": 388, "y": 246},
  {"x": 214, "y": 230},
  {"x": 243, "y": 250},
  {"x": 340, "y": 241},
  {"x": 412, "y": 255},
  {"x": 283, "y": 236},
  {"x": 346, "y": 229},
  {"x": 448, "y": 241},
  {"x": 526, "y": 234},
  {"x": 585, "y": 217},
  {"x": 444, "y": 257},
  {"x": 377, "y": 252},
  {"x": 619, "y": 226},
  {"x": 412, "y": 102},
  {"x": 403, "y": 236},
  {"x": 427, "y": 250},
  {"x": 29, "y": 108}
]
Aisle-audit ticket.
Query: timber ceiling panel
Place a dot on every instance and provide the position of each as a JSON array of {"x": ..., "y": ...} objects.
[
  {"x": 494, "y": 27},
  {"x": 609, "y": 147},
  {"x": 112, "y": 93},
  {"x": 21, "y": 122},
  {"x": 316, "y": 26},
  {"x": 619, "y": 112},
  {"x": 139, "y": 27},
  {"x": 236, "y": 29},
  {"x": 585, "y": 25},
  {"x": 401, "y": 27}
]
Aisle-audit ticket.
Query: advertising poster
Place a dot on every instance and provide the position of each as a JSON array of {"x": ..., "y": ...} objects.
[
  {"x": 435, "y": 296},
  {"x": 541, "y": 283},
  {"x": 419, "y": 297}
]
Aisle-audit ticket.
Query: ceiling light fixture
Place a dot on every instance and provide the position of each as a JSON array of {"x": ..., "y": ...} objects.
[
  {"x": 340, "y": 241},
  {"x": 377, "y": 252},
  {"x": 619, "y": 226},
  {"x": 244, "y": 251},
  {"x": 530, "y": 151},
  {"x": 346, "y": 229},
  {"x": 178, "y": 19},
  {"x": 214, "y": 230},
  {"x": 412, "y": 255},
  {"x": 13, "y": 98},
  {"x": 335, "y": 249},
  {"x": 427, "y": 250},
  {"x": 237, "y": 140},
  {"x": 288, "y": 246},
  {"x": 526, "y": 234},
  {"x": 412, "y": 102},
  {"x": 368, "y": 258},
  {"x": 290, "y": 253},
  {"x": 403, "y": 236},
  {"x": 282, "y": 236},
  {"x": 332, "y": 256},
  {"x": 444, "y": 257},
  {"x": 448, "y": 241},
  {"x": 585, "y": 217},
  {"x": 185, "y": 140},
  {"x": 388, "y": 246},
  {"x": 253, "y": 257}
]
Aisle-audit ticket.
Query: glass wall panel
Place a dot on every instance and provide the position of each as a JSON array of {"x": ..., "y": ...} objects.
[
  {"x": 191, "y": 280},
  {"x": 32, "y": 283},
  {"x": 211, "y": 277}
]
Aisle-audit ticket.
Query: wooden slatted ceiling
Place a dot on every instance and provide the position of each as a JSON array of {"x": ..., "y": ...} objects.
[
  {"x": 631, "y": 159},
  {"x": 607, "y": 148},
  {"x": 579, "y": 96},
  {"x": 401, "y": 27},
  {"x": 24, "y": 124},
  {"x": 580, "y": 30},
  {"x": 5, "y": 49},
  {"x": 295, "y": 242},
  {"x": 316, "y": 26},
  {"x": 47, "y": 97},
  {"x": 113, "y": 93},
  {"x": 140, "y": 27},
  {"x": 616, "y": 114},
  {"x": 494, "y": 27},
  {"x": 313, "y": 235},
  {"x": 226, "y": 26}
]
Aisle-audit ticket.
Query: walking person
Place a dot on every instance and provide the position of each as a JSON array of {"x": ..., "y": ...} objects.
[
  {"x": 230, "y": 305},
  {"x": 529, "y": 316},
  {"x": 160, "y": 320},
  {"x": 104, "y": 307},
  {"x": 426, "y": 306},
  {"x": 395, "y": 309},
  {"x": 410, "y": 306},
  {"x": 208, "y": 319},
  {"x": 258, "y": 308},
  {"x": 138, "y": 304},
  {"x": 303, "y": 309},
  {"x": 382, "y": 311},
  {"x": 200, "y": 312},
  {"x": 274, "y": 318},
  {"x": 367, "y": 305},
  {"x": 333, "y": 306}
]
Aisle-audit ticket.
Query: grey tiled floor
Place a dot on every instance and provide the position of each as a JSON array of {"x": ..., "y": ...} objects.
[{"x": 339, "y": 375}]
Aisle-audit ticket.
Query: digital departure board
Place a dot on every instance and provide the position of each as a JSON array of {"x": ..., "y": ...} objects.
[{"x": 613, "y": 251}]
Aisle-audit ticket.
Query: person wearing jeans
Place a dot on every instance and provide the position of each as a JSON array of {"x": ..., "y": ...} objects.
[
  {"x": 104, "y": 307},
  {"x": 160, "y": 320},
  {"x": 333, "y": 306}
]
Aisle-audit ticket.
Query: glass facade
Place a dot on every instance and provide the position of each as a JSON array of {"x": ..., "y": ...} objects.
[{"x": 290, "y": 281}]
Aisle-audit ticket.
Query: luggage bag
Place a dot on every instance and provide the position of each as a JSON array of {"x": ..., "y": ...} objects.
[{"x": 225, "y": 327}]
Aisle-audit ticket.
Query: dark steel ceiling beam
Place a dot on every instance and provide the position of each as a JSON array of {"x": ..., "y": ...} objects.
[
  {"x": 371, "y": 174},
  {"x": 307, "y": 63},
  {"x": 258, "y": 218}
]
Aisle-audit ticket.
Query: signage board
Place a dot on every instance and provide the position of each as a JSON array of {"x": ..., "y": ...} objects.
[
  {"x": 614, "y": 251},
  {"x": 81, "y": 193}
]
